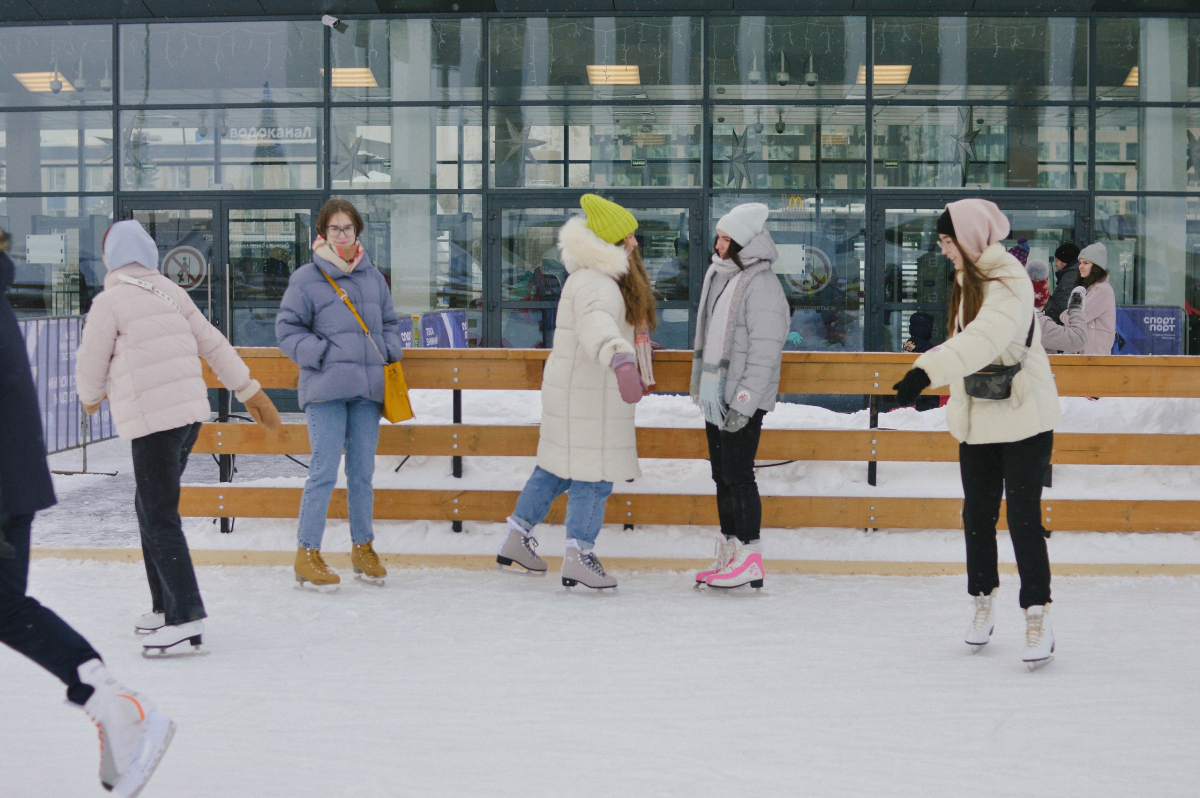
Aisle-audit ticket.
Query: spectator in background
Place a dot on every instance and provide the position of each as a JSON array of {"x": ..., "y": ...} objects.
[
  {"x": 1069, "y": 337},
  {"x": 1066, "y": 277},
  {"x": 1101, "y": 306},
  {"x": 920, "y": 335}
]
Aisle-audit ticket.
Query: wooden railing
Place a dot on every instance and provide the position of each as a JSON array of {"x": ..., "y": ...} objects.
[{"x": 811, "y": 373}]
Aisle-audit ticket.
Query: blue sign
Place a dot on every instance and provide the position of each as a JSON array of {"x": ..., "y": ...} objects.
[
  {"x": 406, "y": 331},
  {"x": 1149, "y": 330},
  {"x": 444, "y": 330}
]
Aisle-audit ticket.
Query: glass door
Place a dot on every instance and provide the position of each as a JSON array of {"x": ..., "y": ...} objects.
[
  {"x": 522, "y": 290},
  {"x": 187, "y": 234},
  {"x": 911, "y": 276}
]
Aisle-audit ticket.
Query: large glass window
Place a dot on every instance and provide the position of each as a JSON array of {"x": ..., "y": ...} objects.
[
  {"x": 56, "y": 151},
  {"x": 1147, "y": 149},
  {"x": 595, "y": 146},
  {"x": 821, "y": 266},
  {"x": 786, "y": 58},
  {"x": 408, "y": 59},
  {"x": 966, "y": 58},
  {"x": 66, "y": 65},
  {"x": 221, "y": 62},
  {"x": 981, "y": 146},
  {"x": 1148, "y": 60},
  {"x": 408, "y": 147},
  {"x": 56, "y": 249},
  {"x": 605, "y": 58},
  {"x": 1150, "y": 242},
  {"x": 796, "y": 147},
  {"x": 236, "y": 149}
]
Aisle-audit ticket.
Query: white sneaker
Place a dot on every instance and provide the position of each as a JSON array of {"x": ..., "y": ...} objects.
[
  {"x": 133, "y": 733},
  {"x": 982, "y": 625},
  {"x": 165, "y": 641},
  {"x": 149, "y": 622},
  {"x": 1039, "y": 638}
]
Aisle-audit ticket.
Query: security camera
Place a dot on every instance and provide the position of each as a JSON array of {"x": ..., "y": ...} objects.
[
  {"x": 330, "y": 21},
  {"x": 782, "y": 77},
  {"x": 810, "y": 77},
  {"x": 754, "y": 76}
]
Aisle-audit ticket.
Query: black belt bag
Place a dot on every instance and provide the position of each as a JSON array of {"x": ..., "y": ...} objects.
[{"x": 995, "y": 381}]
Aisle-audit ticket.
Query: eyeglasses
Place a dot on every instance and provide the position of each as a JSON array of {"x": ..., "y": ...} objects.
[{"x": 341, "y": 231}]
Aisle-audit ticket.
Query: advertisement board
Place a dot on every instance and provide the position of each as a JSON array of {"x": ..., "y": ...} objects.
[{"x": 1149, "y": 330}]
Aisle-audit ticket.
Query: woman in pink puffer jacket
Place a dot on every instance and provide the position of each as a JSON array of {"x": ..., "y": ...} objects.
[{"x": 142, "y": 345}]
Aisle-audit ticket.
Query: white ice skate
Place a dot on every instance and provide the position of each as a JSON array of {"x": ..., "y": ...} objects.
[
  {"x": 721, "y": 558},
  {"x": 745, "y": 568},
  {"x": 518, "y": 547},
  {"x": 134, "y": 735},
  {"x": 150, "y": 622},
  {"x": 1039, "y": 638},
  {"x": 982, "y": 625},
  {"x": 168, "y": 641}
]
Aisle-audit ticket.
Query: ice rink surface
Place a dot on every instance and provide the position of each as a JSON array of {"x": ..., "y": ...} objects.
[{"x": 451, "y": 683}]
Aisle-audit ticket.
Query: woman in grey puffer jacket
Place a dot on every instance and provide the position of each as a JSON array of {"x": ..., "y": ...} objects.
[
  {"x": 740, "y": 331},
  {"x": 341, "y": 382}
]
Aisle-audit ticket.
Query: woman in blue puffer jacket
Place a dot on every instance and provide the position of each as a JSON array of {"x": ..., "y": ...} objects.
[{"x": 341, "y": 383}]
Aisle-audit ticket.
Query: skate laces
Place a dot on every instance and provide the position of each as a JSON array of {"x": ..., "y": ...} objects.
[
  {"x": 722, "y": 556},
  {"x": 530, "y": 543},
  {"x": 367, "y": 552},
  {"x": 592, "y": 562},
  {"x": 1035, "y": 630},
  {"x": 983, "y": 612}
]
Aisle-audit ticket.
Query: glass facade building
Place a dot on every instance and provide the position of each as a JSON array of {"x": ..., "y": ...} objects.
[{"x": 466, "y": 140}]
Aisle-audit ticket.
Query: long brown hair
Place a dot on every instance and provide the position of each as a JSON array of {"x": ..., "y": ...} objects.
[
  {"x": 638, "y": 293},
  {"x": 968, "y": 292},
  {"x": 1098, "y": 274}
]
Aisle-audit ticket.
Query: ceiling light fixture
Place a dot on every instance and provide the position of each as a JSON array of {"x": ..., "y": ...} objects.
[
  {"x": 1131, "y": 80},
  {"x": 40, "y": 82},
  {"x": 886, "y": 74},
  {"x": 614, "y": 75},
  {"x": 353, "y": 78}
]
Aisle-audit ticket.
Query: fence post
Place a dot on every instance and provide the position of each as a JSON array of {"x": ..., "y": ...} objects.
[
  {"x": 456, "y": 460},
  {"x": 224, "y": 461},
  {"x": 871, "y": 465}
]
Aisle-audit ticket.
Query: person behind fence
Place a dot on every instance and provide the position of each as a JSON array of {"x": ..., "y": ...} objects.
[
  {"x": 920, "y": 339},
  {"x": 1101, "y": 310},
  {"x": 598, "y": 370},
  {"x": 134, "y": 734},
  {"x": 741, "y": 327},
  {"x": 1069, "y": 337},
  {"x": 1066, "y": 277},
  {"x": 142, "y": 343},
  {"x": 1003, "y": 409},
  {"x": 341, "y": 384}
]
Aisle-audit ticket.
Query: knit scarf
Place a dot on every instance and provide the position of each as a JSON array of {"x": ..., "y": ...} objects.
[
  {"x": 715, "y": 327},
  {"x": 645, "y": 354},
  {"x": 330, "y": 253}
]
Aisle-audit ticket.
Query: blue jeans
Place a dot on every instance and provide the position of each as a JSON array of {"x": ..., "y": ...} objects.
[
  {"x": 585, "y": 504},
  {"x": 352, "y": 425}
]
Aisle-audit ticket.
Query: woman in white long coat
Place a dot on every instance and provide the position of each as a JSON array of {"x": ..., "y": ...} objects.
[
  {"x": 598, "y": 369},
  {"x": 1005, "y": 440}
]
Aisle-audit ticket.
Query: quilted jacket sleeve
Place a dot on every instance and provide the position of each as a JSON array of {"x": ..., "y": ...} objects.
[
  {"x": 391, "y": 323},
  {"x": 1000, "y": 318},
  {"x": 767, "y": 322},
  {"x": 95, "y": 351},
  {"x": 216, "y": 349},
  {"x": 1068, "y": 338},
  {"x": 598, "y": 332},
  {"x": 294, "y": 326}
]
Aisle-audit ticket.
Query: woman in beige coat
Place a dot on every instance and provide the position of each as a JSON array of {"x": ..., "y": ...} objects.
[
  {"x": 141, "y": 346},
  {"x": 1101, "y": 310},
  {"x": 1004, "y": 443}
]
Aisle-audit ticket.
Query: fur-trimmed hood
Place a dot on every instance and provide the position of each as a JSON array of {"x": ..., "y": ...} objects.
[{"x": 583, "y": 249}]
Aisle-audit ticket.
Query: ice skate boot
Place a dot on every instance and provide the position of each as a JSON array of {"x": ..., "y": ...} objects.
[
  {"x": 982, "y": 625},
  {"x": 583, "y": 568},
  {"x": 133, "y": 733},
  {"x": 150, "y": 622},
  {"x": 367, "y": 567},
  {"x": 518, "y": 547},
  {"x": 1039, "y": 638},
  {"x": 745, "y": 568},
  {"x": 168, "y": 641},
  {"x": 721, "y": 559},
  {"x": 312, "y": 573}
]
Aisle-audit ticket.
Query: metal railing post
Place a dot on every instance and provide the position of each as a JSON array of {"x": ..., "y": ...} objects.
[
  {"x": 224, "y": 461},
  {"x": 456, "y": 460},
  {"x": 871, "y": 465}
]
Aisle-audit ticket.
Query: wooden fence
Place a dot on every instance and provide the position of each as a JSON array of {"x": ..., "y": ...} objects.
[{"x": 803, "y": 372}]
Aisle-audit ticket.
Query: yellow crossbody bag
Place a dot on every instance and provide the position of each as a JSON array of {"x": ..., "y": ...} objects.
[{"x": 396, "y": 406}]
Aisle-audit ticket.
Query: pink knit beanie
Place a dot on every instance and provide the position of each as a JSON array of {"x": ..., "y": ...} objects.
[{"x": 978, "y": 223}]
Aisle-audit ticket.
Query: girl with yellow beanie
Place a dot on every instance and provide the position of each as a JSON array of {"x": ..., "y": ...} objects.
[{"x": 597, "y": 371}]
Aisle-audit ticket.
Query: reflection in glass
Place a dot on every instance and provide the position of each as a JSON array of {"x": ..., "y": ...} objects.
[
  {"x": 430, "y": 249},
  {"x": 439, "y": 148},
  {"x": 785, "y": 58},
  {"x": 1148, "y": 60},
  {"x": 821, "y": 266},
  {"x": 961, "y": 58},
  {"x": 221, "y": 62},
  {"x": 62, "y": 65},
  {"x": 243, "y": 149},
  {"x": 408, "y": 59},
  {"x": 56, "y": 250},
  {"x": 185, "y": 245},
  {"x": 980, "y": 147},
  {"x": 789, "y": 148},
  {"x": 595, "y": 147},
  {"x": 1169, "y": 161},
  {"x": 1151, "y": 254},
  {"x": 56, "y": 151},
  {"x": 605, "y": 58}
]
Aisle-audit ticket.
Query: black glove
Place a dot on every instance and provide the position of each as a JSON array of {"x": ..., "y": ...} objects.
[
  {"x": 734, "y": 421},
  {"x": 7, "y": 552},
  {"x": 909, "y": 388}
]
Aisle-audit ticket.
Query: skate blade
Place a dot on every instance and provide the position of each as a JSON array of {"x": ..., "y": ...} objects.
[
  {"x": 173, "y": 652},
  {"x": 309, "y": 587},
  {"x": 521, "y": 570},
  {"x": 975, "y": 648},
  {"x": 156, "y": 737},
  {"x": 568, "y": 584},
  {"x": 1037, "y": 665},
  {"x": 756, "y": 589},
  {"x": 370, "y": 580},
  {"x": 144, "y": 632}
]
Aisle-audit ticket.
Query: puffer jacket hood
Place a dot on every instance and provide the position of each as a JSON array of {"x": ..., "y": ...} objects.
[
  {"x": 127, "y": 242},
  {"x": 583, "y": 249},
  {"x": 761, "y": 248}
]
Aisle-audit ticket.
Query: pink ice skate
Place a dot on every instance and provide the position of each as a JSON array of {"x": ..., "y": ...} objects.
[
  {"x": 745, "y": 568},
  {"x": 721, "y": 559}
]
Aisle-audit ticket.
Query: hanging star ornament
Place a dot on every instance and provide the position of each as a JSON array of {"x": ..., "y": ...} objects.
[
  {"x": 518, "y": 142},
  {"x": 740, "y": 156},
  {"x": 352, "y": 159},
  {"x": 965, "y": 139},
  {"x": 1193, "y": 154}
]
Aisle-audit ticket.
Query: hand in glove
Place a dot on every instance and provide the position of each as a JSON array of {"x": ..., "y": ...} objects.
[
  {"x": 628, "y": 379},
  {"x": 92, "y": 410},
  {"x": 263, "y": 411},
  {"x": 909, "y": 388},
  {"x": 734, "y": 421},
  {"x": 1077, "y": 296}
]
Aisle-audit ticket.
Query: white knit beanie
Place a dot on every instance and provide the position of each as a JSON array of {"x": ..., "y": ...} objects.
[
  {"x": 127, "y": 242},
  {"x": 744, "y": 222},
  {"x": 1038, "y": 269},
  {"x": 1097, "y": 253}
]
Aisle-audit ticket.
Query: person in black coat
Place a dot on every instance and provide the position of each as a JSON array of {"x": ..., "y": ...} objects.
[
  {"x": 1066, "y": 277},
  {"x": 920, "y": 335},
  {"x": 25, "y": 625}
]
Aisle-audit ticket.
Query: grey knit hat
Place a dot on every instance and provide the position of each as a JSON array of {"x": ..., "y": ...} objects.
[
  {"x": 1038, "y": 269},
  {"x": 1096, "y": 253}
]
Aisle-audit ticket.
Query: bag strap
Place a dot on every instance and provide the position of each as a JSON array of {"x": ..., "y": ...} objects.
[
  {"x": 125, "y": 278},
  {"x": 346, "y": 299}
]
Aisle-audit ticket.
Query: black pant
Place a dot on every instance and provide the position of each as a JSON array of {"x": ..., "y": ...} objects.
[
  {"x": 158, "y": 462},
  {"x": 33, "y": 630},
  {"x": 732, "y": 457},
  {"x": 1017, "y": 471}
]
